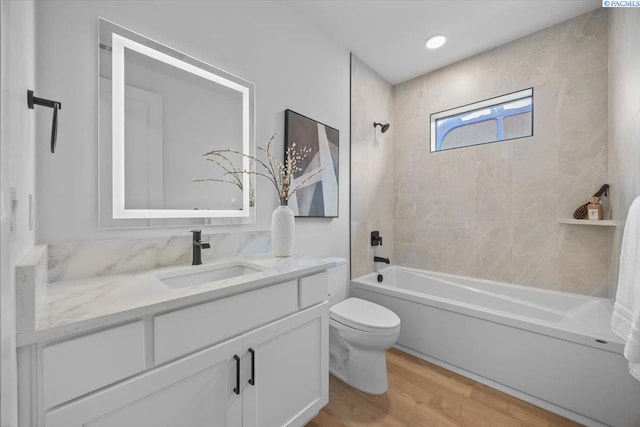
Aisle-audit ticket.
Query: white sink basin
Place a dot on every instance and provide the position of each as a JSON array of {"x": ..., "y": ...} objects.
[{"x": 206, "y": 274}]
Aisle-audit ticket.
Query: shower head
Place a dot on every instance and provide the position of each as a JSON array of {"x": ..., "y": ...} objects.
[{"x": 383, "y": 127}]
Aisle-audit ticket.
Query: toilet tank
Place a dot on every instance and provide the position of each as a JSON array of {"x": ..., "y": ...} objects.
[{"x": 338, "y": 284}]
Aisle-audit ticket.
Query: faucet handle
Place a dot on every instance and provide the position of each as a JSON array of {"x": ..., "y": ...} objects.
[{"x": 376, "y": 239}]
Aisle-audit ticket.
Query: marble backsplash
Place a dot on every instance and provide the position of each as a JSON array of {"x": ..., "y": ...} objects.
[
  {"x": 31, "y": 283},
  {"x": 76, "y": 260}
]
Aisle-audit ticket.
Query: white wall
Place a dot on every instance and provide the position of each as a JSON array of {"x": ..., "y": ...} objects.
[
  {"x": 18, "y": 168},
  {"x": 293, "y": 65}
]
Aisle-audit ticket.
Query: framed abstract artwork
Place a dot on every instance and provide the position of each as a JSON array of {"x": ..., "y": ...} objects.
[{"x": 318, "y": 196}]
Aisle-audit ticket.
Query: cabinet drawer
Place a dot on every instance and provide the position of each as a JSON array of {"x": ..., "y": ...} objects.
[
  {"x": 191, "y": 329},
  {"x": 313, "y": 289},
  {"x": 77, "y": 366}
]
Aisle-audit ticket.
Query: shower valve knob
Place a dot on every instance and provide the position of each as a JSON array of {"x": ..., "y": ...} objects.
[{"x": 376, "y": 239}]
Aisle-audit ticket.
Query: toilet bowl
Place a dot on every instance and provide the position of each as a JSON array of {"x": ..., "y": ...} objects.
[{"x": 359, "y": 333}]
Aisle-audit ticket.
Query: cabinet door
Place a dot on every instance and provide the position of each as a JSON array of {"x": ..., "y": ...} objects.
[
  {"x": 290, "y": 370},
  {"x": 196, "y": 391}
]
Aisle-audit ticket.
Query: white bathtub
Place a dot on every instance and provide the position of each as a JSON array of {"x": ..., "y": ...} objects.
[{"x": 553, "y": 349}]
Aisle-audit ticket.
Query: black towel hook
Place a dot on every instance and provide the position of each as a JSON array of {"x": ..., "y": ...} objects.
[{"x": 34, "y": 100}]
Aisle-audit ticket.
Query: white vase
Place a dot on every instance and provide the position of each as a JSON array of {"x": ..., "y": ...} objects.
[{"x": 282, "y": 229}]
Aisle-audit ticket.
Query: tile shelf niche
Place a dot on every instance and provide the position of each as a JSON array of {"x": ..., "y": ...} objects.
[{"x": 600, "y": 222}]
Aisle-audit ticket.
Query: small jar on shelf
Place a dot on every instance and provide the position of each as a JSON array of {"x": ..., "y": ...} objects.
[{"x": 594, "y": 209}]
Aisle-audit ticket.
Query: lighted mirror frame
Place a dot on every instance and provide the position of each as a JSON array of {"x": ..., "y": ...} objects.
[
  {"x": 470, "y": 108},
  {"x": 121, "y": 41}
]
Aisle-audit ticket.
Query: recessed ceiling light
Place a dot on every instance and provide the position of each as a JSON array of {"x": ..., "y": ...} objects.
[{"x": 436, "y": 42}]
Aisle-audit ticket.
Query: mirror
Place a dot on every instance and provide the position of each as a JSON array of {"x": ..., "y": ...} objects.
[{"x": 160, "y": 112}]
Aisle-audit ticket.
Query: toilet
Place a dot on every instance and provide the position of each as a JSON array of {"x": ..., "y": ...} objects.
[{"x": 359, "y": 333}]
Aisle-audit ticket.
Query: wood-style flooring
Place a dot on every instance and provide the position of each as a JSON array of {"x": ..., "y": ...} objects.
[{"x": 423, "y": 394}]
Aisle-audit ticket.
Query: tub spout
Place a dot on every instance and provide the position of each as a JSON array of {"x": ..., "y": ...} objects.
[{"x": 380, "y": 259}]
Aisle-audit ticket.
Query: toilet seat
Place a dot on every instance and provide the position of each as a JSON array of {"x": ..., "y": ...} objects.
[{"x": 364, "y": 316}]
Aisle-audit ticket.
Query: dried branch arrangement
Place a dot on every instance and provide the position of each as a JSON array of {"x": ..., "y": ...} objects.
[
  {"x": 234, "y": 175},
  {"x": 279, "y": 174}
]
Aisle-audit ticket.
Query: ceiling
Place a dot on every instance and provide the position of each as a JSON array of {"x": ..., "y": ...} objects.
[{"x": 389, "y": 35}]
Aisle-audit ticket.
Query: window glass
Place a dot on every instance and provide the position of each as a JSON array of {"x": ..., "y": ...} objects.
[{"x": 497, "y": 119}]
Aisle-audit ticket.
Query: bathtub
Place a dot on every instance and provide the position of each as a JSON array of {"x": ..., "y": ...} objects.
[{"x": 553, "y": 349}]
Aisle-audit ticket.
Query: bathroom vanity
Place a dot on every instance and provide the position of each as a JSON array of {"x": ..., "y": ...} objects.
[
  {"x": 246, "y": 345},
  {"x": 239, "y": 341}
]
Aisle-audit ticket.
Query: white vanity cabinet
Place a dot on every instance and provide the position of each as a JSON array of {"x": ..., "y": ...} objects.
[
  {"x": 270, "y": 371},
  {"x": 194, "y": 391},
  {"x": 287, "y": 367}
]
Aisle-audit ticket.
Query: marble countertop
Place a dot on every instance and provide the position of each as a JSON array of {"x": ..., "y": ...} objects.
[{"x": 74, "y": 306}]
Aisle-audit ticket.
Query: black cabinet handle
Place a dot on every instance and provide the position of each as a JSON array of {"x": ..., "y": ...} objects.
[
  {"x": 252, "y": 380},
  {"x": 236, "y": 390}
]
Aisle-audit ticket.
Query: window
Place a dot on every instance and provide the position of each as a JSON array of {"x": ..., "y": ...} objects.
[{"x": 497, "y": 119}]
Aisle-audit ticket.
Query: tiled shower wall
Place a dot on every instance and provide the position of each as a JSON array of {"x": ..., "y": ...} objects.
[
  {"x": 371, "y": 167},
  {"x": 492, "y": 211},
  {"x": 624, "y": 118}
]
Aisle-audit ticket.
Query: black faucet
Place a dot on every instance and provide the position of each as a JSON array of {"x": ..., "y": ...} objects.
[
  {"x": 380, "y": 259},
  {"x": 198, "y": 246}
]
